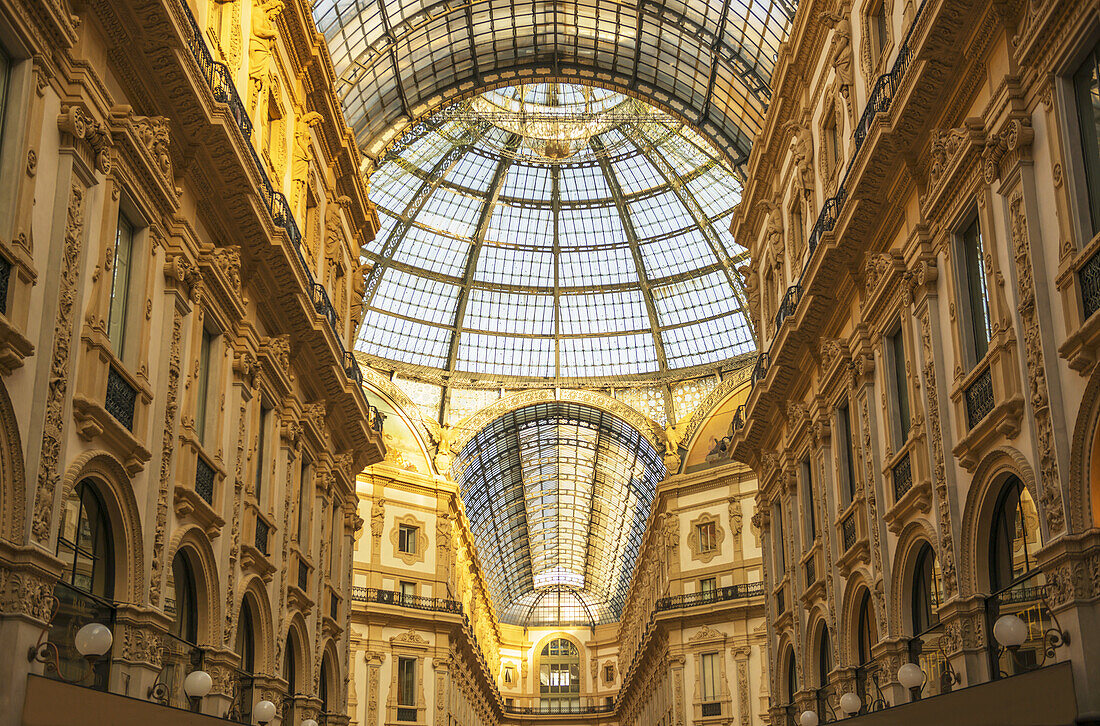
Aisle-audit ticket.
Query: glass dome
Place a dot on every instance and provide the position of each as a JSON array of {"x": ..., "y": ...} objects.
[{"x": 553, "y": 232}]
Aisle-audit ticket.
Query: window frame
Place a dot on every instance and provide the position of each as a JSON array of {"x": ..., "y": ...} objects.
[
  {"x": 118, "y": 316},
  {"x": 847, "y": 458},
  {"x": 974, "y": 350},
  {"x": 709, "y": 676},
  {"x": 806, "y": 494},
  {"x": 1082, "y": 198},
  {"x": 407, "y": 535},
  {"x": 896, "y": 373}
]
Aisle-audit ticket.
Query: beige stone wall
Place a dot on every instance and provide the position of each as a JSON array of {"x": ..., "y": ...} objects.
[
  {"x": 108, "y": 112},
  {"x": 978, "y": 127}
]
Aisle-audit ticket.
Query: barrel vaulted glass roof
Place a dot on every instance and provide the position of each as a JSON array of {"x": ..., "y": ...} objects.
[
  {"x": 554, "y": 231},
  {"x": 709, "y": 61},
  {"x": 558, "y": 495}
]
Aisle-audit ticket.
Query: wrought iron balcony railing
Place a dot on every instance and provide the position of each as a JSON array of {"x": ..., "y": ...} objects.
[
  {"x": 979, "y": 398},
  {"x": 718, "y": 594},
  {"x": 902, "y": 474},
  {"x": 417, "y": 602},
  {"x": 204, "y": 479},
  {"x": 1089, "y": 276},
  {"x": 121, "y": 398}
]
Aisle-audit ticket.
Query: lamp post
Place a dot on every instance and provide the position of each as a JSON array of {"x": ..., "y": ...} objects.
[
  {"x": 92, "y": 641},
  {"x": 807, "y": 718},
  {"x": 850, "y": 704},
  {"x": 911, "y": 677}
]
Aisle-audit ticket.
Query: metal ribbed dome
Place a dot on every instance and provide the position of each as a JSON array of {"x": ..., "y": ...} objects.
[{"x": 553, "y": 232}]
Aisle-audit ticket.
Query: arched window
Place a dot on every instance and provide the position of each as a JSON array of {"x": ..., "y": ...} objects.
[
  {"x": 560, "y": 674},
  {"x": 181, "y": 602},
  {"x": 322, "y": 688},
  {"x": 84, "y": 543},
  {"x": 290, "y": 666},
  {"x": 865, "y": 630},
  {"x": 792, "y": 677},
  {"x": 246, "y": 639},
  {"x": 1014, "y": 538},
  {"x": 824, "y": 657},
  {"x": 86, "y": 586},
  {"x": 926, "y": 590}
]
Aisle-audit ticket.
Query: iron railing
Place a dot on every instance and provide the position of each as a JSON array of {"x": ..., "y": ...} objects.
[
  {"x": 718, "y": 594},
  {"x": 760, "y": 369},
  {"x": 5, "y": 276},
  {"x": 788, "y": 306},
  {"x": 1089, "y": 276},
  {"x": 416, "y": 602},
  {"x": 204, "y": 479},
  {"x": 261, "y": 535},
  {"x": 902, "y": 474},
  {"x": 979, "y": 398},
  {"x": 848, "y": 531},
  {"x": 121, "y": 398},
  {"x": 711, "y": 709},
  {"x": 221, "y": 83},
  {"x": 811, "y": 571},
  {"x": 550, "y": 707}
]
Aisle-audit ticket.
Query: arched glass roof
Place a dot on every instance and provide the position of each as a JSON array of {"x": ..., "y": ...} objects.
[
  {"x": 709, "y": 61},
  {"x": 553, "y": 231},
  {"x": 558, "y": 495}
]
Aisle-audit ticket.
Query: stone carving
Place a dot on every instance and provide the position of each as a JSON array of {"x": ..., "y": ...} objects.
[
  {"x": 279, "y": 346},
  {"x": 802, "y": 152},
  {"x": 74, "y": 121},
  {"x": 840, "y": 56},
  {"x": 140, "y": 645},
  {"x": 830, "y": 349},
  {"x": 706, "y": 633},
  {"x": 736, "y": 516},
  {"x": 773, "y": 235},
  {"x": 153, "y": 133},
  {"x": 315, "y": 414},
  {"x": 1050, "y": 494},
  {"x": 22, "y": 593},
  {"x": 170, "y": 408},
  {"x": 946, "y": 143},
  {"x": 939, "y": 474},
  {"x": 302, "y": 157},
  {"x": 235, "y": 542},
  {"x": 876, "y": 269},
  {"x": 224, "y": 30},
  {"x": 261, "y": 55},
  {"x": 377, "y": 517},
  {"x": 228, "y": 262},
  {"x": 409, "y": 637},
  {"x": 743, "y": 690},
  {"x": 53, "y": 431}
]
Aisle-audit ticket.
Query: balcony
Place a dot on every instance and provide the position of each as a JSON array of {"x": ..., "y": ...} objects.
[
  {"x": 718, "y": 594},
  {"x": 416, "y": 602},
  {"x": 121, "y": 399},
  {"x": 577, "y": 706},
  {"x": 979, "y": 398}
]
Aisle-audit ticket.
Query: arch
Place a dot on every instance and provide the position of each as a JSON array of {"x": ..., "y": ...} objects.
[
  {"x": 471, "y": 426},
  {"x": 113, "y": 485},
  {"x": 254, "y": 596},
  {"x": 181, "y": 598},
  {"x": 989, "y": 475},
  {"x": 13, "y": 474},
  {"x": 818, "y": 656},
  {"x": 788, "y": 674},
  {"x": 329, "y": 682},
  {"x": 856, "y": 587},
  {"x": 297, "y": 665},
  {"x": 917, "y": 533},
  {"x": 1083, "y": 482},
  {"x": 558, "y": 670},
  {"x": 193, "y": 542}
]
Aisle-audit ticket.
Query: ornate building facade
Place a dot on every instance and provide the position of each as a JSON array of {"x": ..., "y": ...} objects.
[
  {"x": 433, "y": 643},
  {"x": 182, "y": 423},
  {"x": 921, "y": 209}
]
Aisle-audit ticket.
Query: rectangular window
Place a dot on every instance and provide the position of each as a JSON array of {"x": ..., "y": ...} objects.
[
  {"x": 1086, "y": 86},
  {"x": 707, "y": 584},
  {"x": 509, "y": 675},
  {"x": 808, "y": 502},
  {"x": 777, "y": 533},
  {"x": 406, "y": 686},
  {"x": 406, "y": 538},
  {"x": 261, "y": 451},
  {"x": 832, "y": 141},
  {"x": 710, "y": 676},
  {"x": 847, "y": 456},
  {"x": 407, "y": 589},
  {"x": 708, "y": 536},
  {"x": 895, "y": 351},
  {"x": 974, "y": 293},
  {"x": 5, "y": 86},
  {"x": 203, "y": 390},
  {"x": 303, "y": 503},
  {"x": 120, "y": 283},
  {"x": 335, "y": 532},
  {"x": 879, "y": 20}
]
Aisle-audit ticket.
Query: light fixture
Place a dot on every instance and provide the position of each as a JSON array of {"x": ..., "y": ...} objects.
[
  {"x": 197, "y": 684},
  {"x": 850, "y": 703},
  {"x": 807, "y": 718},
  {"x": 308, "y": 722},
  {"x": 264, "y": 712},
  {"x": 1010, "y": 631},
  {"x": 92, "y": 641},
  {"x": 911, "y": 676}
]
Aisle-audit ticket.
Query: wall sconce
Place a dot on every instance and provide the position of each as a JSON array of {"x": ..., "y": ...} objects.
[
  {"x": 308, "y": 722},
  {"x": 264, "y": 712},
  {"x": 92, "y": 641},
  {"x": 850, "y": 704},
  {"x": 1011, "y": 632},
  {"x": 807, "y": 718}
]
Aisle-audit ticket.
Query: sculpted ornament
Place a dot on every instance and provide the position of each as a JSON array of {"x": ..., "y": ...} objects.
[
  {"x": 802, "y": 152},
  {"x": 228, "y": 262},
  {"x": 261, "y": 53}
]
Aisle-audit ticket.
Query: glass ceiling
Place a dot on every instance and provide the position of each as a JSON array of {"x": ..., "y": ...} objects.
[
  {"x": 558, "y": 495},
  {"x": 553, "y": 231},
  {"x": 710, "y": 61}
]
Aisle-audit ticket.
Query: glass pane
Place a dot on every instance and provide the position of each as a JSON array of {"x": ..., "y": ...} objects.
[
  {"x": 1087, "y": 87},
  {"x": 120, "y": 283}
]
